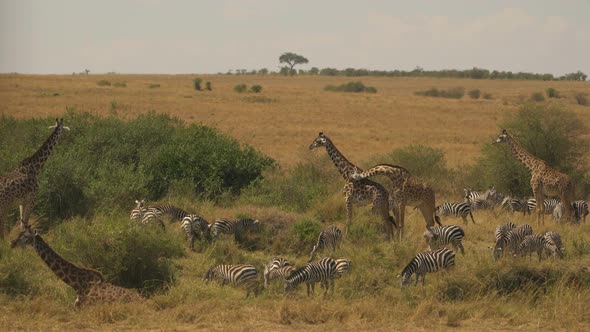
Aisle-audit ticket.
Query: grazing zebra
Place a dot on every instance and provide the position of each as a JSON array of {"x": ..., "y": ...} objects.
[
  {"x": 232, "y": 226},
  {"x": 279, "y": 273},
  {"x": 145, "y": 215},
  {"x": 323, "y": 271},
  {"x": 554, "y": 239},
  {"x": 549, "y": 204},
  {"x": 275, "y": 264},
  {"x": 235, "y": 275},
  {"x": 580, "y": 211},
  {"x": 486, "y": 200},
  {"x": 331, "y": 236},
  {"x": 516, "y": 235},
  {"x": 194, "y": 226},
  {"x": 430, "y": 261},
  {"x": 461, "y": 209},
  {"x": 538, "y": 243},
  {"x": 343, "y": 266},
  {"x": 516, "y": 205},
  {"x": 438, "y": 236},
  {"x": 501, "y": 234}
]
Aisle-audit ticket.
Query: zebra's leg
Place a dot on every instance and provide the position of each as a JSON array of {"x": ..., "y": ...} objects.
[
  {"x": 471, "y": 215},
  {"x": 464, "y": 217}
]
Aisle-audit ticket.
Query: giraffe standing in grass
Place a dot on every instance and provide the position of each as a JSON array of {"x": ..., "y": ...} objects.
[
  {"x": 21, "y": 186},
  {"x": 405, "y": 190},
  {"x": 360, "y": 191},
  {"x": 544, "y": 179}
]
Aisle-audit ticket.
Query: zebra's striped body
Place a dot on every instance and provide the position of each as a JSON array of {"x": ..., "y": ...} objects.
[
  {"x": 175, "y": 213},
  {"x": 580, "y": 211},
  {"x": 516, "y": 205},
  {"x": 275, "y": 264},
  {"x": 194, "y": 226},
  {"x": 517, "y": 235},
  {"x": 486, "y": 200},
  {"x": 278, "y": 273},
  {"x": 536, "y": 243},
  {"x": 430, "y": 261},
  {"x": 461, "y": 209},
  {"x": 501, "y": 234},
  {"x": 554, "y": 239},
  {"x": 439, "y": 236},
  {"x": 329, "y": 237},
  {"x": 240, "y": 274},
  {"x": 145, "y": 215},
  {"x": 549, "y": 204},
  {"x": 232, "y": 226},
  {"x": 137, "y": 213},
  {"x": 323, "y": 271}
]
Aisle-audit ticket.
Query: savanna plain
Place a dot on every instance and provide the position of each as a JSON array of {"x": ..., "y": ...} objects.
[{"x": 299, "y": 195}]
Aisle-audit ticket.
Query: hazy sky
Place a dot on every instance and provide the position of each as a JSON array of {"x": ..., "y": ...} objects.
[{"x": 154, "y": 36}]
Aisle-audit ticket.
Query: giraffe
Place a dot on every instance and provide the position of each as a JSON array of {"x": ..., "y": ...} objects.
[
  {"x": 89, "y": 284},
  {"x": 544, "y": 179},
  {"x": 20, "y": 185},
  {"x": 360, "y": 191},
  {"x": 405, "y": 190}
]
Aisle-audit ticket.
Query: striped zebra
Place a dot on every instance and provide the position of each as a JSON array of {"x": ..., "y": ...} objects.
[
  {"x": 331, "y": 236},
  {"x": 486, "y": 200},
  {"x": 517, "y": 235},
  {"x": 430, "y": 261},
  {"x": 501, "y": 243},
  {"x": 580, "y": 211},
  {"x": 554, "y": 239},
  {"x": 232, "y": 226},
  {"x": 194, "y": 225},
  {"x": 236, "y": 275},
  {"x": 145, "y": 215},
  {"x": 538, "y": 243},
  {"x": 137, "y": 213},
  {"x": 461, "y": 209},
  {"x": 275, "y": 264},
  {"x": 515, "y": 205},
  {"x": 323, "y": 271},
  {"x": 343, "y": 266},
  {"x": 549, "y": 204},
  {"x": 439, "y": 236},
  {"x": 174, "y": 212},
  {"x": 279, "y": 273}
]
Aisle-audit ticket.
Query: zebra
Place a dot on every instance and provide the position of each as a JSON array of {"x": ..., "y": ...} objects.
[
  {"x": 240, "y": 274},
  {"x": 538, "y": 243},
  {"x": 461, "y": 209},
  {"x": 549, "y": 204},
  {"x": 275, "y": 264},
  {"x": 194, "y": 225},
  {"x": 486, "y": 200},
  {"x": 175, "y": 213},
  {"x": 331, "y": 236},
  {"x": 437, "y": 236},
  {"x": 516, "y": 235},
  {"x": 137, "y": 213},
  {"x": 515, "y": 205},
  {"x": 343, "y": 266},
  {"x": 323, "y": 271},
  {"x": 554, "y": 239},
  {"x": 501, "y": 243},
  {"x": 580, "y": 211},
  {"x": 145, "y": 215},
  {"x": 278, "y": 273},
  {"x": 430, "y": 261},
  {"x": 232, "y": 226}
]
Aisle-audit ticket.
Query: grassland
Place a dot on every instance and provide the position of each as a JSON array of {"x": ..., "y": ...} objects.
[{"x": 512, "y": 294}]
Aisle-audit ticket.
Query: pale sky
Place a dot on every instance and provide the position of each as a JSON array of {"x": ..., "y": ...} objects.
[{"x": 134, "y": 36}]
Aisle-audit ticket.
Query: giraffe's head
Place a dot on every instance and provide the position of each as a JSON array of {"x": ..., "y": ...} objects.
[
  {"x": 321, "y": 140},
  {"x": 503, "y": 138},
  {"x": 25, "y": 237}
]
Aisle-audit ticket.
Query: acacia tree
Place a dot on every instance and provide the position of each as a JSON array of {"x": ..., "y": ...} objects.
[{"x": 292, "y": 59}]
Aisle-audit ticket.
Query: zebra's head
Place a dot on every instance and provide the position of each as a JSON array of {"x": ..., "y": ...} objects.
[
  {"x": 139, "y": 204},
  {"x": 406, "y": 279},
  {"x": 503, "y": 138},
  {"x": 429, "y": 235},
  {"x": 321, "y": 140},
  {"x": 497, "y": 251},
  {"x": 209, "y": 275}
]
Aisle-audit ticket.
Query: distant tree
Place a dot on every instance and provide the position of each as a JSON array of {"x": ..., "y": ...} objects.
[
  {"x": 314, "y": 71},
  {"x": 263, "y": 71},
  {"x": 292, "y": 59},
  {"x": 284, "y": 71},
  {"x": 87, "y": 71}
]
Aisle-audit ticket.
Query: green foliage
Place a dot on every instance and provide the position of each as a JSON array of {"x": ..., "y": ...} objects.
[
  {"x": 487, "y": 96},
  {"x": 292, "y": 59},
  {"x": 307, "y": 230},
  {"x": 105, "y": 163},
  {"x": 537, "y": 96},
  {"x": 208, "y": 86},
  {"x": 153, "y": 85},
  {"x": 256, "y": 88},
  {"x": 351, "y": 87},
  {"x": 552, "y": 93},
  {"x": 475, "y": 93},
  {"x": 549, "y": 133},
  {"x": 103, "y": 83},
  {"x": 197, "y": 83},
  {"x": 240, "y": 88},
  {"x": 454, "y": 93},
  {"x": 582, "y": 99}
]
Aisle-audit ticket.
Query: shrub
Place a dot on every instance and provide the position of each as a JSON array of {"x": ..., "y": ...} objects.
[
  {"x": 103, "y": 83},
  {"x": 208, "y": 86},
  {"x": 581, "y": 99},
  {"x": 475, "y": 93},
  {"x": 120, "y": 84},
  {"x": 351, "y": 87},
  {"x": 258, "y": 99},
  {"x": 487, "y": 96},
  {"x": 240, "y": 88},
  {"x": 256, "y": 88},
  {"x": 537, "y": 96},
  {"x": 306, "y": 231},
  {"x": 552, "y": 93},
  {"x": 197, "y": 83},
  {"x": 154, "y": 85},
  {"x": 455, "y": 93}
]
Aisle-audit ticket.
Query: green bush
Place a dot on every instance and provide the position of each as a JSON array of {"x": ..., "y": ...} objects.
[
  {"x": 307, "y": 230},
  {"x": 351, "y": 87},
  {"x": 256, "y": 88},
  {"x": 240, "y": 88},
  {"x": 120, "y": 84},
  {"x": 197, "y": 83},
  {"x": 103, "y": 83},
  {"x": 454, "y": 93},
  {"x": 537, "y": 96},
  {"x": 208, "y": 86},
  {"x": 475, "y": 93},
  {"x": 552, "y": 93},
  {"x": 487, "y": 96},
  {"x": 582, "y": 99},
  {"x": 105, "y": 163}
]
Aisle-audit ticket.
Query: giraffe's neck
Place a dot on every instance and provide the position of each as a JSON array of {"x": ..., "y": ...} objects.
[
  {"x": 35, "y": 162},
  {"x": 522, "y": 155},
  {"x": 76, "y": 277},
  {"x": 345, "y": 167}
]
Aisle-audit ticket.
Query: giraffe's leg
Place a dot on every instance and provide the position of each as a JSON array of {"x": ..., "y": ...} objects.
[
  {"x": 402, "y": 217},
  {"x": 28, "y": 204},
  {"x": 348, "y": 213},
  {"x": 3, "y": 217}
]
